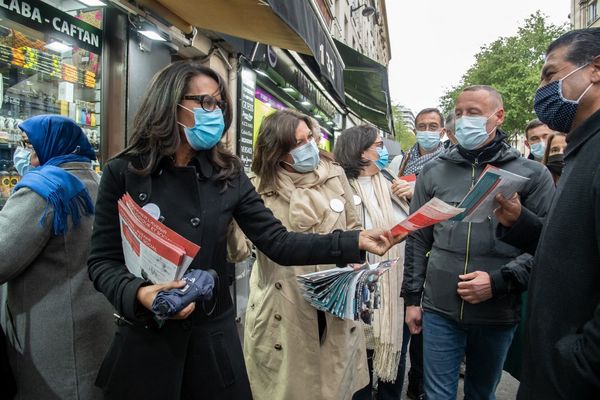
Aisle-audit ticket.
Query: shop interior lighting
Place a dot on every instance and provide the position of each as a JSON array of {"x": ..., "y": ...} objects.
[
  {"x": 59, "y": 47},
  {"x": 289, "y": 89},
  {"x": 93, "y": 3},
  {"x": 317, "y": 116},
  {"x": 261, "y": 72},
  {"x": 305, "y": 103}
]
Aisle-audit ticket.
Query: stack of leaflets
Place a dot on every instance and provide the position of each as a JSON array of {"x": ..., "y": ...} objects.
[
  {"x": 345, "y": 292},
  {"x": 151, "y": 250}
]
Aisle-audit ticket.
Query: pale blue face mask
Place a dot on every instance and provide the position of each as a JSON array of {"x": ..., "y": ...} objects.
[
  {"x": 306, "y": 157},
  {"x": 207, "y": 130},
  {"x": 428, "y": 140},
  {"x": 538, "y": 149},
  {"x": 22, "y": 160},
  {"x": 384, "y": 158},
  {"x": 470, "y": 131}
]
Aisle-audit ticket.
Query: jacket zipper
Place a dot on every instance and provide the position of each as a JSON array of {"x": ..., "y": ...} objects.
[{"x": 462, "y": 304}]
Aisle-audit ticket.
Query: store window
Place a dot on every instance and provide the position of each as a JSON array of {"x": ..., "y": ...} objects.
[{"x": 49, "y": 64}]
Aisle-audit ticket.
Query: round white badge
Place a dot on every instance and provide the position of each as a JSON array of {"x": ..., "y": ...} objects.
[
  {"x": 153, "y": 210},
  {"x": 357, "y": 200},
  {"x": 336, "y": 205}
]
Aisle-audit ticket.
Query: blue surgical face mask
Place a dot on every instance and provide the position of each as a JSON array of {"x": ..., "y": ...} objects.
[
  {"x": 470, "y": 131},
  {"x": 306, "y": 157},
  {"x": 553, "y": 109},
  {"x": 207, "y": 130},
  {"x": 22, "y": 160},
  {"x": 384, "y": 158},
  {"x": 538, "y": 149},
  {"x": 428, "y": 140}
]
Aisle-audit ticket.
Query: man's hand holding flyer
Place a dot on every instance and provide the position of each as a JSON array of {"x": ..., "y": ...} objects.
[
  {"x": 152, "y": 251},
  {"x": 477, "y": 205}
]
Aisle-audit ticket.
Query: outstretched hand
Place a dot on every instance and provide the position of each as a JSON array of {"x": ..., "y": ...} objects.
[{"x": 378, "y": 241}]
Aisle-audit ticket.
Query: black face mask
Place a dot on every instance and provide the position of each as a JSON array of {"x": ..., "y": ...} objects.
[{"x": 555, "y": 164}]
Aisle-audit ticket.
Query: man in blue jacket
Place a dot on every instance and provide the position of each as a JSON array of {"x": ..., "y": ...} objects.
[
  {"x": 462, "y": 285},
  {"x": 562, "y": 341}
]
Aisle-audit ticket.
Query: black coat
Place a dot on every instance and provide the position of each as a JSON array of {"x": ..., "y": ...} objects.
[
  {"x": 151, "y": 363},
  {"x": 562, "y": 348}
]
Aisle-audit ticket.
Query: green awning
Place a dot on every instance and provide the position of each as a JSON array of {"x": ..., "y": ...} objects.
[{"x": 366, "y": 87}]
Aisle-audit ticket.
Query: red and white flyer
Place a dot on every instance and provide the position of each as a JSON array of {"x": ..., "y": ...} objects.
[
  {"x": 432, "y": 212},
  {"x": 151, "y": 250}
]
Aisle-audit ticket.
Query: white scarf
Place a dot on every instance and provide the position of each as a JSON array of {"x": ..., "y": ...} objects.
[{"x": 388, "y": 320}]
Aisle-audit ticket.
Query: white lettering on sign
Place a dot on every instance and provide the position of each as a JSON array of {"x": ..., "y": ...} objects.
[
  {"x": 75, "y": 32},
  {"x": 23, "y": 9}
]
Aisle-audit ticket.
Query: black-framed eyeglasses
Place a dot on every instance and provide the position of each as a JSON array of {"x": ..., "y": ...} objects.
[{"x": 207, "y": 102}]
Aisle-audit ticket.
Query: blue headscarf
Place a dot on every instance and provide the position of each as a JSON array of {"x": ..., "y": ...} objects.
[{"x": 58, "y": 140}]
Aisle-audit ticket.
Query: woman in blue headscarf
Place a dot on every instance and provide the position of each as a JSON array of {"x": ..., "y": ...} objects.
[{"x": 58, "y": 327}]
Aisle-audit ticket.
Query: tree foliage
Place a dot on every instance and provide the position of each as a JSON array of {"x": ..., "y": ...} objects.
[
  {"x": 404, "y": 135},
  {"x": 512, "y": 66}
]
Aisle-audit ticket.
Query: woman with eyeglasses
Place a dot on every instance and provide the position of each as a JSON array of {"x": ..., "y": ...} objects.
[
  {"x": 57, "y": 326},
  {"x": 175, "y": 161},
  {"x": 361, "y": 152}
]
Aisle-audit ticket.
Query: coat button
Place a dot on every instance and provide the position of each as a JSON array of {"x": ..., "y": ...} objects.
[
  {"x": 195, "y": 221},
  {"x": 142, "y": 196},
  {"x": 278, "y": 285},
  {"x": 352, "y": 329},
  {"x": 278, "y": 346},
  {"x": 277, "y": 317}
]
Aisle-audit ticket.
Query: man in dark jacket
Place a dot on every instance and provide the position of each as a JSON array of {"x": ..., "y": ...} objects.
[
  {"x": 562, "y": 351},
  {"x": 466, "y": 280}
]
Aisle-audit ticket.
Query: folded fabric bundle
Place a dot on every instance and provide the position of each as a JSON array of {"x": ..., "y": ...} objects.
[{"x": 200, "y": 285}]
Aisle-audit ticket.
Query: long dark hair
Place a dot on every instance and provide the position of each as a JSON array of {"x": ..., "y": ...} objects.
[
  {"x": 276, "y": 137},
  {"x": 155, "y": 132},
  {"x": 349, "y": 147}
]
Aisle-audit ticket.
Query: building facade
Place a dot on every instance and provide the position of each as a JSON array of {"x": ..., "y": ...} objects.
[
  {"x": 585, "y": 13},
  {"x": 408, "y": 117}
]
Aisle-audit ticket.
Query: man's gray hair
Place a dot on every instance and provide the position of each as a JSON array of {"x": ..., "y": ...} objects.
[{"x": 495, "y": 94}]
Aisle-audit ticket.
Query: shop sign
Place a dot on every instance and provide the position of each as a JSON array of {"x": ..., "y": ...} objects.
[
  {"x": 247, "y": 87},
  {"x": 45, "y": 18}
]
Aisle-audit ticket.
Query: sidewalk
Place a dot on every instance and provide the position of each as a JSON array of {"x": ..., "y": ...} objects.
[{"x": 507, "y": 389}]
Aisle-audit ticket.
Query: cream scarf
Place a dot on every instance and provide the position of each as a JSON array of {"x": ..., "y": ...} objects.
[
  {"x": 387, "y": 324},
  {"x": 309, "y": 209}
]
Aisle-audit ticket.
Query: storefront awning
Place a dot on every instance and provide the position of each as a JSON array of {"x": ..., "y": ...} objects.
[
  {"x": 291, "y": 25},
  {"x": 366, "y": 87}
]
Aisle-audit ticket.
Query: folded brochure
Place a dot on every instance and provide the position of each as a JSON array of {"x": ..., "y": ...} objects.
[
  {"x": 480, "y": 202},
  {"x": 152, "y": 250}
]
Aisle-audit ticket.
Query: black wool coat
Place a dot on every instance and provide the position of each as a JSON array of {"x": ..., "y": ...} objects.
[
  {"x": 149, "y": 362},
  {"x": 562, "y": 348}
]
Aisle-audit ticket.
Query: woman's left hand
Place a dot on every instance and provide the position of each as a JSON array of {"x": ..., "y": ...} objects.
[{"x": 378, "y": 241}]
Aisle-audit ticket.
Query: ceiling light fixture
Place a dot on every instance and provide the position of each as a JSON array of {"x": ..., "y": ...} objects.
[{"x": 93, "y": 3}]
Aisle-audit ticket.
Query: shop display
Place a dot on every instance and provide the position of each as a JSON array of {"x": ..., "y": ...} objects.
[{"x": 37, "y": 79}]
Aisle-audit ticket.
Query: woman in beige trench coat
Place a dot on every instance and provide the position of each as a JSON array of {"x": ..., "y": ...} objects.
[{"x": 292, "y": 351}]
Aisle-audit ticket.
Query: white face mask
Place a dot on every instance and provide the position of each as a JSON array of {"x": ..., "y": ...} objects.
[{"x": 22, "y": 160}]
